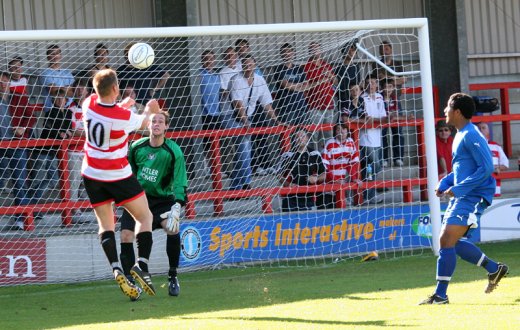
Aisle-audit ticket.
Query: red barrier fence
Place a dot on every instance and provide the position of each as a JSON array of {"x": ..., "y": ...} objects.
[{"x": 218, "y": 194}]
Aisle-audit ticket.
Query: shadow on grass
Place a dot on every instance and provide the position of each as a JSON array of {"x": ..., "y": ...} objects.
[
  {"x": 55, "y": 306},
  {"x": 379, "y": 323}
]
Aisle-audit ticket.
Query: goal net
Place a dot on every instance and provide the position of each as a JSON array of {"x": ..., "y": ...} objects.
[{"x": 302, "y": 142}]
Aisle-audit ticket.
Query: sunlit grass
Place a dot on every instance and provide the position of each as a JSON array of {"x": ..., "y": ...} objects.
[{"x": 349, "y": 294}]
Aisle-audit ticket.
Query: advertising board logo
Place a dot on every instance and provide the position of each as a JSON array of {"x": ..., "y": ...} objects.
[
  {"x": 22, "y": 261},
  {"x": 191, "y": 243},
  {"x": 422, "y": 225}
]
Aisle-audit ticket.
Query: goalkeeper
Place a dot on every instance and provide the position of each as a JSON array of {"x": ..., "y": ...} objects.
[{"x": 158, "y": 163}]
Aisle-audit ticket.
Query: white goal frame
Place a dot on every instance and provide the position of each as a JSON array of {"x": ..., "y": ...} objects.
[{"x": 421, "y": 24}]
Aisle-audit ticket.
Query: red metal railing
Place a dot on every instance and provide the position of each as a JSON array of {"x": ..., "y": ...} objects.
[{"x": 218, "y": 194}]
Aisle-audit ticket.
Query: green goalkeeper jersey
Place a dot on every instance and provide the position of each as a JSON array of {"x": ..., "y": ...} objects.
[{"x": 161, "y": 171}]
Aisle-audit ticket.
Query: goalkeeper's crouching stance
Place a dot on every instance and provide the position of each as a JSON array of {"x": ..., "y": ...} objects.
[{"x": 159, "y": 165}]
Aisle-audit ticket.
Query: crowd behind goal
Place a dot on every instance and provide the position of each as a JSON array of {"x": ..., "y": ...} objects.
[{"x": 353, "y": 99}]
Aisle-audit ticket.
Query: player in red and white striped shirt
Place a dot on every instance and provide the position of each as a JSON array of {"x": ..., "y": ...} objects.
[
  {"x": 108, "y": 177},
  {"x": 341, "y": 158},
  {"x": 500, "y": 160}
]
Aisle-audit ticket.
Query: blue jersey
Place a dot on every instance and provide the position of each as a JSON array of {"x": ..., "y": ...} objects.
[{"x": 472, "y": 166}]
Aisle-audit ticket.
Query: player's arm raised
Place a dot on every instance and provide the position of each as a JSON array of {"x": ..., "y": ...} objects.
[{"x": 151, "y": 108}]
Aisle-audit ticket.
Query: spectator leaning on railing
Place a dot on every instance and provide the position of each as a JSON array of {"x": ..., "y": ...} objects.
[{"x": 13, "y": 160}]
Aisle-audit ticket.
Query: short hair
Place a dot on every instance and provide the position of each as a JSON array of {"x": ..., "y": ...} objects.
[
  {"x": 464, "y": 103},
  {"x": 206, "y": 52},
  {"x": 382, "y": 46},
  {"x": 80, "y": 81},
  {"x": 14, "y": 60},
  {"x": 51, "y": 48},
  {"x": 296, "y": 132},
  {"x": 241, "y": 41},
  {"x": 166, "y": 116},
  {"x": 226, "y": 52},
  {"x": 60, "y": 92},
  {"x": 5, "y": 74},
  {"x": 350, "y": 44},
  {"x": 339, "y": 125},
  {"x": 100, "y": 46},
  {"x": 128, "y": 46},
  {"x": 286, "y": 46},
  {"x": 248, "y": 57},
  {"x": 103, "y": 81}
]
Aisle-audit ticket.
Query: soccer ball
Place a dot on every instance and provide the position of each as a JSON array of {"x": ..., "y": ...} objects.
[{"x": 141, "y": 55}]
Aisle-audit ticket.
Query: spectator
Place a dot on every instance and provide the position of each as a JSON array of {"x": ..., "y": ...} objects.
[
  {"x": 500, "y": 160},
  {"x": 226, "y": 113},
  {"x": 57, "y": 126},
  {"x": 23, "y": 117},
  {"x": 320, "y": 95},
  {"x": 387, "y": 57},
  {"x": 341, "y": 159},
  {"x": 300, "y": 167},
  {"x": 129, "y": 91},
  {"x": 348, "y": 73},
  {"x": 243, "y": 48},
  {"x": 394, "y": 112},
  {"x": 356, "y": 105},
  {"x": 13, "y": 161},
  {"x": 444, "y": 142},
  {"x": 217, "y": 115},
  {"x": 246, "y": 90},
  {"x": 100, "y": 60},
  {"x": 229, "y": 70},
  {"x": 147, "y": 83},
  {"x": 370, "y": 138},
  {"x": 55, "y": 77},
  {"x": 291, "y": 84},
  {"x": 76, "y": 154}
]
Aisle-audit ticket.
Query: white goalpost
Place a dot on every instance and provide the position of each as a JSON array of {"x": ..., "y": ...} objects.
[{"x": 252, "y": 195}]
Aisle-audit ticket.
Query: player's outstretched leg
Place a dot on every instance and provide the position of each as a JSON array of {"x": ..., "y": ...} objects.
[
  {"x": 471, "y": 253},
  {"x": 126, "y": 286},
  {"x": 143, "y": 278},
  {"x": 494, "y": 278}
]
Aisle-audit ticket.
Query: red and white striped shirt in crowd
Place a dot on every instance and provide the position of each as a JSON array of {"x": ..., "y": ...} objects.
[
  {"x": 341, "y": 160},
  {"x": 77, "y": 123},
  {"x": 106, "y": 145},
  {"x": 18, "y": 86},
  {"x": 499, "y": 158}
]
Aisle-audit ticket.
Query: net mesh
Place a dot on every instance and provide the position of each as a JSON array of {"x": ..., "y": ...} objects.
[{"x": 253, "y": 195}]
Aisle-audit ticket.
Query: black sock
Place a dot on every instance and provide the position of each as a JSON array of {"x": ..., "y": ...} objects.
[
  {"x": 127, "y": 257},
  {"x": 173, "y": 250},
  {"x": 144, "y": 242},
  {"x": 108, "y": 243}
]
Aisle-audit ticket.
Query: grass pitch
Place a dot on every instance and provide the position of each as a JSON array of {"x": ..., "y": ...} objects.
[{"x": 348, "y": 294}]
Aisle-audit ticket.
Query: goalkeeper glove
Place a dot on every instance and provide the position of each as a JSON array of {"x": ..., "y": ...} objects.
[{"x": 173, "y": 216}]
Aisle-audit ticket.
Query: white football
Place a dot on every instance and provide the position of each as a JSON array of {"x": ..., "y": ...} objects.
[{"x": 141, "y": 55}]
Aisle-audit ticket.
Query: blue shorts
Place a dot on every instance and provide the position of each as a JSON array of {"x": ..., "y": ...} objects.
[{"x": 465, "y": 211}]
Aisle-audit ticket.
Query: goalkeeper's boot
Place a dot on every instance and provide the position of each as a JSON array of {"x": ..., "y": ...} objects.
[
  {"x": 144, "y": 279},
  {"x": 131, "y": 280},
  {"x": 435, "y": 299},
  {"x": 494, "y": 278},
  {"x": 173, "y": 286},
  {"x": 129, "y": 289}
]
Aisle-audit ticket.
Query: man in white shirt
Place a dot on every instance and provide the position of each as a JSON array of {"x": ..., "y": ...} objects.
[
  {"x": 248, "y": 88},
  {"x": 370, "y": 139}
]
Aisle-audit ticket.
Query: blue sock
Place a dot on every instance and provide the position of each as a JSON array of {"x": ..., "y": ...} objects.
[
  {"x": 471, "y": 253},
  {"x": 445, "y": 267}
]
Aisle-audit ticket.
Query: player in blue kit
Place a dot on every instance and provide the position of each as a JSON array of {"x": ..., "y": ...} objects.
[{"x": 470, "y": 187}]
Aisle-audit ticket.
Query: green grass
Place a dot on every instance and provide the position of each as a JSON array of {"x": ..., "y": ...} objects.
[{"x": 348, "y": 294}]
